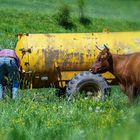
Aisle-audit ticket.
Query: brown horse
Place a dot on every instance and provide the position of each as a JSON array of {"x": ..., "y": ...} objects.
[{"x": 126, "y": 69}]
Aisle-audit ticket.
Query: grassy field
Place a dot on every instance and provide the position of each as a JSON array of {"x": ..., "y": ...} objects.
[
  {"x": 39, "y": 114},
  {"x": 40, "y": 16}
]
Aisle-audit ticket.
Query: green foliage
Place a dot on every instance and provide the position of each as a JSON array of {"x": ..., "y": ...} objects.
[
  {"x": 81, "y": 5},
  {"x": 39, "y": 114},
  {"x": 39, "y": 16},
  {"x": 64, "y": 17},
  {"x": 82, "y": 16}
]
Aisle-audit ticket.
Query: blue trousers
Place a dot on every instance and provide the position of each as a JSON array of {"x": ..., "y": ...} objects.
[{"x": 9, "y": 68}]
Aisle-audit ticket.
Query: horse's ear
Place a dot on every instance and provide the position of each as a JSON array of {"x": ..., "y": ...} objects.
[
  {"x": 98, "y": 48},
  {"x": 105, "y": 46}
]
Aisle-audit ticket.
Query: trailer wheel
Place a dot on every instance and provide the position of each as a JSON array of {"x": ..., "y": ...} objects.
[{"x": 93, "y": 85}]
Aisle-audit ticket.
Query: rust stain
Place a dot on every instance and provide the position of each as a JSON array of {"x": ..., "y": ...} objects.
[{"x": 49, "y": 35}]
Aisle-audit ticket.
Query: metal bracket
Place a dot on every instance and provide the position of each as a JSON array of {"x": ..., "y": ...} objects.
[{"x": 58, "y": 70}]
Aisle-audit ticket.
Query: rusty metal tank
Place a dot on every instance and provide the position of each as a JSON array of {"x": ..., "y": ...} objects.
[{"x": 47, "y": 59}]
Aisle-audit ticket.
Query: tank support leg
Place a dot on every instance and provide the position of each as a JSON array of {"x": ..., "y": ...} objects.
[{"x": 59, "y": 76}]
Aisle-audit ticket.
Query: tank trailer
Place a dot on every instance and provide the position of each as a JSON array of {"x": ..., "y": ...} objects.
[{"x": 63, "y": 60}]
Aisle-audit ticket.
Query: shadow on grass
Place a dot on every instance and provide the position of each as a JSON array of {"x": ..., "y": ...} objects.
[
  {"x": 85, "y": 21},
  {"x": 68, "y": 25}
]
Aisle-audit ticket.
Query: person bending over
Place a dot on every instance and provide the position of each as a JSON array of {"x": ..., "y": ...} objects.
[{"x": 10, "y": 67}]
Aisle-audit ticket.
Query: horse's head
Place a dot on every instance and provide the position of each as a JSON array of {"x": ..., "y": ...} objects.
[{"x": 103, "y": 62}]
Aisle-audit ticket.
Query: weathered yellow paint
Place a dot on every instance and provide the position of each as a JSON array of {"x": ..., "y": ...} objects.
[{"x": 61, "y": 56}]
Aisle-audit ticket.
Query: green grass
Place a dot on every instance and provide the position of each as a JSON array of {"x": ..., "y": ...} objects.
[
  {"x": 39, "y": 114},
  {"x": 39, "y": 16}
]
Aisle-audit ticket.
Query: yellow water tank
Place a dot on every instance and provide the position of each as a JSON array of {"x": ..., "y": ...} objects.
[{"x": 47, "y": 59}]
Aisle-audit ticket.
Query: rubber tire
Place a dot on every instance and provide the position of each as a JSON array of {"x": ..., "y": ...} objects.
[{"x": 84, "y": 78}]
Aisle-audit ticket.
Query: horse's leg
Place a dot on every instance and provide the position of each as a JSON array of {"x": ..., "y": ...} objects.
[
  {"x": 136, "y": 93},
  {"x": 122, "y": 87},
  {"x": 131, "y": 93}
]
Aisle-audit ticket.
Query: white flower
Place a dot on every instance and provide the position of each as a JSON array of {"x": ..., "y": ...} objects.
[
  {"x": 97, "y": 109},
  {"x": 60, "y": 106},
  {"x": 90, "y": 109}
]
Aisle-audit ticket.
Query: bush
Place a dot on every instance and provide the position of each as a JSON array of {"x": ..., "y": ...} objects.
[
  {"x": 82, "y": 18},
  {"x": 64, "y": 17}
]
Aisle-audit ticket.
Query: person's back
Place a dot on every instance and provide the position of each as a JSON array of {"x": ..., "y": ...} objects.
[
  {"x": 7, "y": 53},
  {"x": 9, "y": 66}
]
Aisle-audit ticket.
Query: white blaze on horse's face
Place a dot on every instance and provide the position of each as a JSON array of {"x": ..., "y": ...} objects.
[{"x": 101, "y": 64}]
